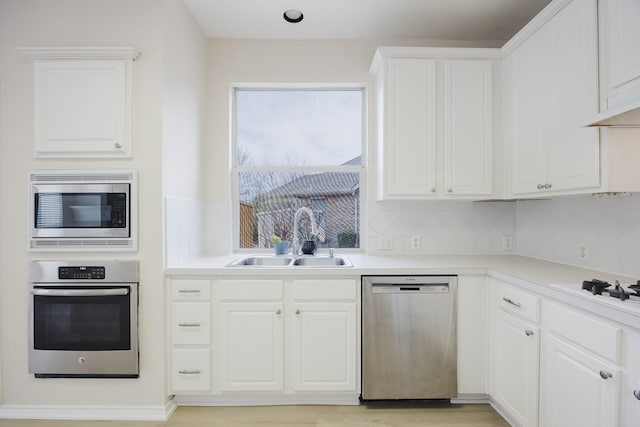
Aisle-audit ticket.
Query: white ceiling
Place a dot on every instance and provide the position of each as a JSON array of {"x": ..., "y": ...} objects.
[{"x": 468, "y": 20}]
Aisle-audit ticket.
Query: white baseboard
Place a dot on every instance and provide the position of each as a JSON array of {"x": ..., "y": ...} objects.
[
  {"x": 471, "y": 399},
  {"x": 504, "y": 414},
  {"x": 266, "y": 399},
  {"x": 97, "y": 412}
]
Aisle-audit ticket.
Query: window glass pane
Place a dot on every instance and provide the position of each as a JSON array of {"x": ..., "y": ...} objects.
[
  {"x": 269, "y": 201},
  {"x": 298, "y": 127}
]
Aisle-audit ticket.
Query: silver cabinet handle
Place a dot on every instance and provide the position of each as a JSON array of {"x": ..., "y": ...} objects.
[
  {"x": 512, "y": 302},
  {"x": 189, "y": 291},
  {"x": 540, "y": 186},
  {"x": 297, "y": 311},
  {"x": 547, "y": 186},
  {"x": 605, "y": 375},
  {"x": 117, "y": 145},
  {"x": 433, "y": 189},
  {"x": 636, "y": 394},
  {"x": 189, "y": 325},
  {"x": 528, "y": 332},
  {"x": 278, "y": 311},
  {"x": 450, "y": 190},
  {"x": 189, "y": 371}
]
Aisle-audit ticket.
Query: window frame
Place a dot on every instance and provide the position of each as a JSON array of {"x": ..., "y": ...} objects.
[{"x": 236, "y": 170}]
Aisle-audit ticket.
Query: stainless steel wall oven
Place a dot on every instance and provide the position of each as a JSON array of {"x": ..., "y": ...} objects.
[{"x": 83, "y": 319}]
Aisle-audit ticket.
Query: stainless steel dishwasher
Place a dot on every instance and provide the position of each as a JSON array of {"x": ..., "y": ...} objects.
[{"x": 409, "y": 337}]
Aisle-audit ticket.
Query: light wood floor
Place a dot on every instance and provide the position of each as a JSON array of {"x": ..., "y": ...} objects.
[{"x": 378, "y": 415}]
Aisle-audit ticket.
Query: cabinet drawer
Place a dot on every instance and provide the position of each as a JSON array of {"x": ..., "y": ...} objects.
[
  {"x": 306, "y": 290},
  {"x": 191, "y": 323},
  {"x": 191, "y": 370},
  {"x": 253, "y": 290},
  {"x": 594, "y": 335},
  {"x": 519, "y": 302},
  {"x": 190, "y": 289}
]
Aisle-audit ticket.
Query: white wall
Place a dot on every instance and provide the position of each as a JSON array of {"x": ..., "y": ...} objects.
[
  {"x": 138, "y": 23},
  {"x": 183, "y": 118}
]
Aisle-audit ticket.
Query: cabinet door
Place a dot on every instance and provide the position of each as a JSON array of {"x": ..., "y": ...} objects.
[
  {"x": 324, "y": 347},
  {"x": 579, "y": 389},
  {"x": 524, "y": 107},
  {"x": 516, "y": 373},
  {"x": 621, "y": 32},
  {"x": 572, "y": 68},
  {"x": 468, "y": 125},
  {"x": 83, "y": 108},
  {"x": 250, "y": 350},
  {"x": 410, "y": 137}
]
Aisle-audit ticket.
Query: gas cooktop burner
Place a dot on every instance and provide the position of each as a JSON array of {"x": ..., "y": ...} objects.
[{"x": 596, "y": 287}]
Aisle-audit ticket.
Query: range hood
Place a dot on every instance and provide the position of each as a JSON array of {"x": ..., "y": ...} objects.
[{"x": 625, "y": 116}]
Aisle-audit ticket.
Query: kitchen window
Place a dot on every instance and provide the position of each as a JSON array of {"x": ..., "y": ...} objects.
[{"x": 293, "y": 148}]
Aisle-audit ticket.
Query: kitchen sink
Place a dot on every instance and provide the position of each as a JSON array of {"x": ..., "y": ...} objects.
[
  {"x": 322, "y": 262},
  {"x": 283, "y": 261},
  {"x": 263, "y": 261}
]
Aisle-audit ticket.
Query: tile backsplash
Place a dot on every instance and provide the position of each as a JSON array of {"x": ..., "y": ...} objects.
[
  {"x": 442, "y": 227},
  {"x": 601, "y": 233}
]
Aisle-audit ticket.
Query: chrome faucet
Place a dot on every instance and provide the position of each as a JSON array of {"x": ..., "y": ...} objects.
[{"x": 296, "y": 218}]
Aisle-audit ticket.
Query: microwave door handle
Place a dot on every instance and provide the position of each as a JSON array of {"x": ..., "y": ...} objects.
[{"x": 80, "y": 292}]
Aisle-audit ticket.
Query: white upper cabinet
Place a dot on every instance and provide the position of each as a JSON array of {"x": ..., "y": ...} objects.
[
  {"x": 468, "y": 129},
  {"x": 434, "y": 122},
  {"x": 552, "y": 87},
  {"x": 82, "y": 101},
  {"x": 620, "y": 38}
]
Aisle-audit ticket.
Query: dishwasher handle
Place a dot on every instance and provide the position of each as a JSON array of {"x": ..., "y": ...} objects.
[{"x": 432, "y": 288}]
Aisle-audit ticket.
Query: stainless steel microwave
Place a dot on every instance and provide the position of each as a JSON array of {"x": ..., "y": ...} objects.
[{"x": 75, "y": 210}]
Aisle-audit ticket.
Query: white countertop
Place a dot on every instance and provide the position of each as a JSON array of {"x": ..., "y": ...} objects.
[{"x": 532, "y": 274}]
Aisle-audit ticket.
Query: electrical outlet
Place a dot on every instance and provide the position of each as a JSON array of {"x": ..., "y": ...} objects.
[
  {"x": 507, "y": 243},
  {"x": 385, "y": 243},
  {"x": 583, "y": 252},
  {"x": 415, "y": 242}
]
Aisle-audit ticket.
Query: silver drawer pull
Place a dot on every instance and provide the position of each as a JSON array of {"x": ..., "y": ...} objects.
[
  {"x": 512, "y": 302},
  {"x": 636, "y": 394},
  {"x": 605, "y": 375},
  {"x": 528, "y": 332},
  {"x": 189, "y": 371},
  {"x": 189, "y": 325},
  {"x": 189, "y": 291}
]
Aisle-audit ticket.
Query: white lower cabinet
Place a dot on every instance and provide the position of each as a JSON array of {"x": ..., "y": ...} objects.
[
  {"x": 580, "y": 389},
  {"x": 190, "y": 328},
  {"x": 583, "y": 375},
  {"x": 250, "y": 346},
  {"x": 515, "y": 353},
  {"x": 324, "y": 347},
  {"x": 287, "y": 336}
]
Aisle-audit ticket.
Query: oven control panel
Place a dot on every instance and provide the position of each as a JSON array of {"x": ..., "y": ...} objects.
[{"x": 81, "y": 273}]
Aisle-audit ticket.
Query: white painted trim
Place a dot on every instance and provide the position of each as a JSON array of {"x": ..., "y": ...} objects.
[
  {"x": 63, "y": 53},
  {"x": 503, "y": 413},
  {"x": 98, "y": 412},
  {"x": 266, "y": 399},
  {"x": 386, "y": 52}
]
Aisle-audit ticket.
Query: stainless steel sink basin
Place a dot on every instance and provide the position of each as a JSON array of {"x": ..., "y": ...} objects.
[
  {"x": 322, "y": 262},
  {"x": 263, "y": 261},
  {"x": 284, "y": 261}
]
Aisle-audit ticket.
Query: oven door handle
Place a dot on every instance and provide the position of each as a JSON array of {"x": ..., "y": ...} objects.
[{"x": 80, "y": 292}]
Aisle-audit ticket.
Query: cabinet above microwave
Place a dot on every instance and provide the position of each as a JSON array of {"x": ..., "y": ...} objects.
[{"x": 83, "y": 211}]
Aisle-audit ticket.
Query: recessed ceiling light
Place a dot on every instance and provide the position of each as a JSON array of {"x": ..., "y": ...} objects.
[{"x": 293, "y": 16}]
